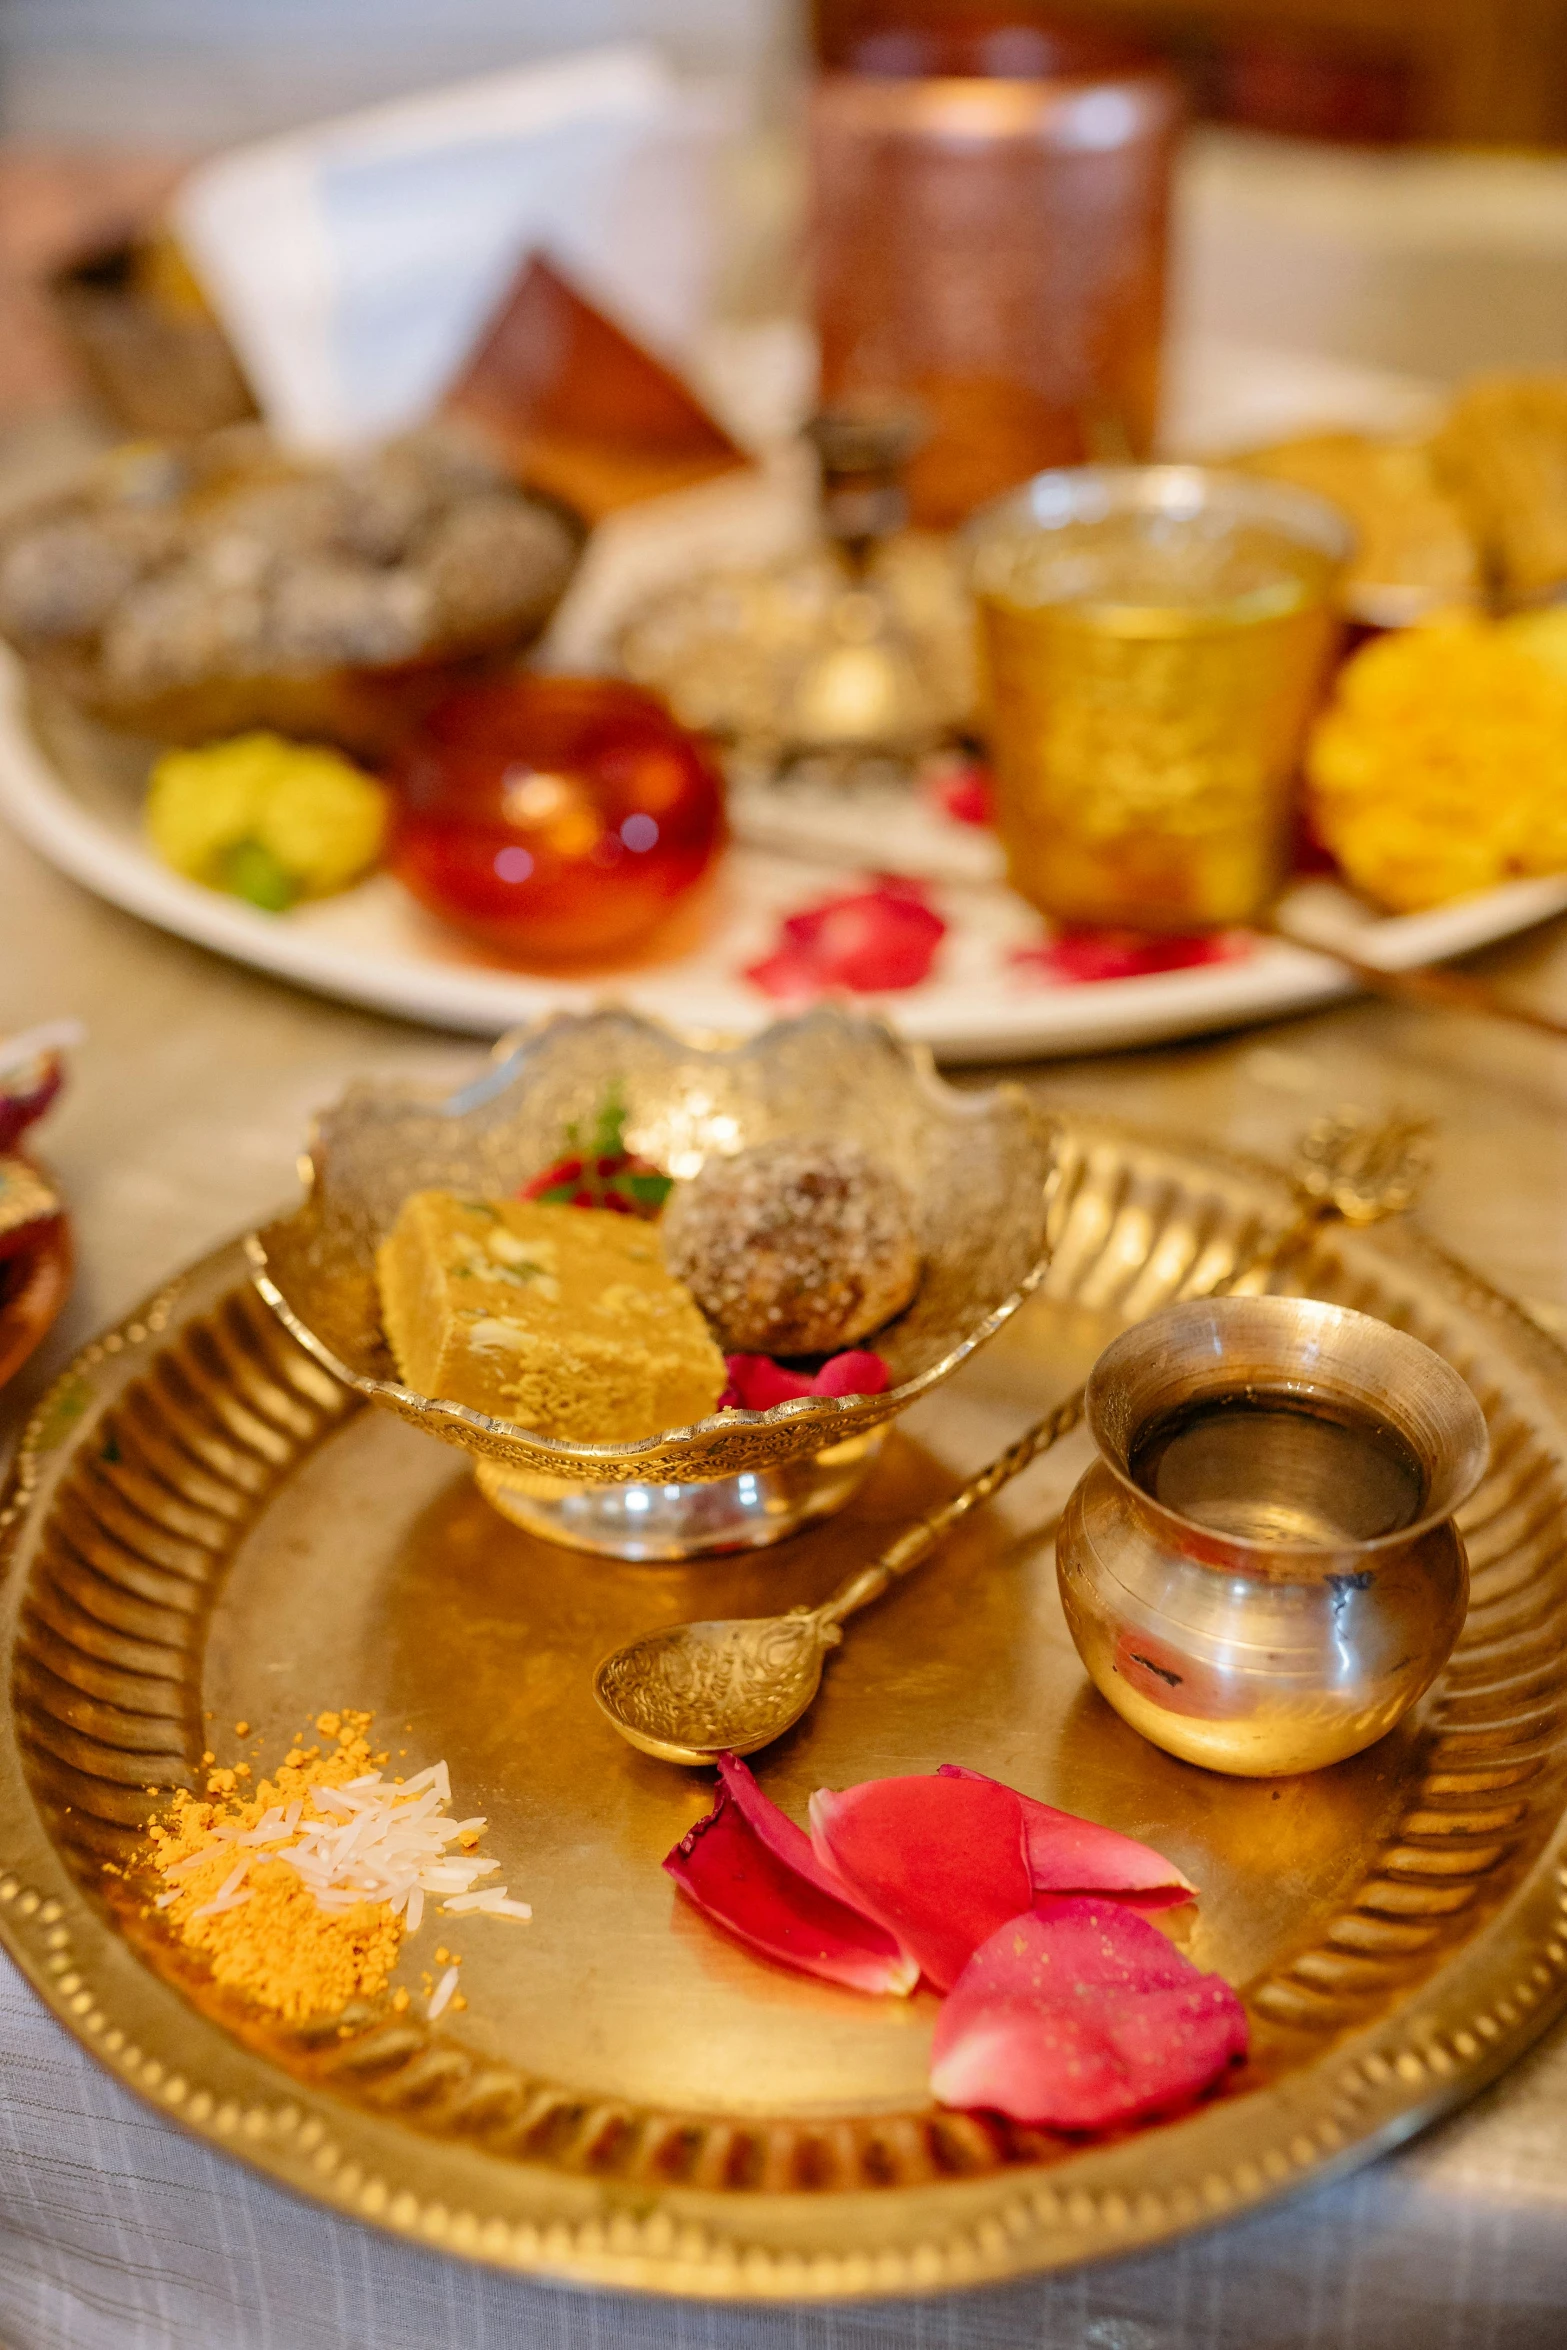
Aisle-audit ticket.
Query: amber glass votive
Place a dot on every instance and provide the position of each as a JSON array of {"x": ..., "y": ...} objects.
[
  {"x": 989, "y": 217},
  {"x": 1152, "y": 641}
]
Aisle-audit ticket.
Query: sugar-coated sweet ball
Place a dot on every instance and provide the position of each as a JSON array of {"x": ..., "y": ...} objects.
[{"x": 793, "y": 1247}]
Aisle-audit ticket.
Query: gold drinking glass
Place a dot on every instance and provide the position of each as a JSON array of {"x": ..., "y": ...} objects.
[{"x": 1152, "y": 640}]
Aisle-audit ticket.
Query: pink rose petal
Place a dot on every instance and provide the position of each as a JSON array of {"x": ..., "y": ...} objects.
[
  {"x": 1069, "y": 1855},
  {"x": 941, "y": 1861},
  {"x": 855, "y": 1372},
  {"x": 26, "y": 1090},
  {"x": 1085, "y": 956},
  {"x": 872, "y": 941},
  {"x": 1083, "y": 2016},
  {"x": 966, "y": 793},
  {"x": 753, "y": 1873},
  {"x": 756, "y": 1382}
]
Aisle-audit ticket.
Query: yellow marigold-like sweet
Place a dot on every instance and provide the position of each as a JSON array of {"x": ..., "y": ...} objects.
[
  {"x": 1440, "y": 767},
  {"x": 264, "y": 818}
]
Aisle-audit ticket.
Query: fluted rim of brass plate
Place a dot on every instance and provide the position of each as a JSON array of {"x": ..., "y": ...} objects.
[
  {"x": 1447, "y": 1959},
  {"x": 302, "y": 1280}
]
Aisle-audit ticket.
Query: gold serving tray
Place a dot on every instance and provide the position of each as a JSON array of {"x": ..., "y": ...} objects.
[{"x": 204, "y": 1527}]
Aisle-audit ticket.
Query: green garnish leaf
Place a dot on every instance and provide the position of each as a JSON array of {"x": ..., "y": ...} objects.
[
  {"x": 600, "y": 1171},
  {"x": 609, "y": 1126},
  {"x": 252, "y": 872},
  {"x": 649, "y": 1191}
]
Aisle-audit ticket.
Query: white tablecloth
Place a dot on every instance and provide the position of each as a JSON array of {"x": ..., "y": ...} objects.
[{"x": 117, "y": 2232}]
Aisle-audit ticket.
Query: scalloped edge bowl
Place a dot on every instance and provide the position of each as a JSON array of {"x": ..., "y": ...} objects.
[{"x": 978, "y": 1165}]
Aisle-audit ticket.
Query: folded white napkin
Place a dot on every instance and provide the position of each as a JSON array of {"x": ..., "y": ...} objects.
[{"x": 354, "y": 264}]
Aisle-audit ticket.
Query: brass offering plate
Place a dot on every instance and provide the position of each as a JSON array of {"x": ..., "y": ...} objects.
[{"x": 204, "y": 1527}]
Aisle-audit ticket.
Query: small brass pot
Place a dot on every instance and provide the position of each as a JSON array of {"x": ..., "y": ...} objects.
[{"x": 1298, "y": 1642}]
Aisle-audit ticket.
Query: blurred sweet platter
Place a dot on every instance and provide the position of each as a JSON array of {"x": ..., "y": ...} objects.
[
  {"x": 812, "y": 858},
  {"x": 371, "y": 945},
  {"x": 35, "y": 1228}
]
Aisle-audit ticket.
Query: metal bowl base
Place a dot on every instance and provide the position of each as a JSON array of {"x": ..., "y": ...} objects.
[{"x": 683, "y": 1521}]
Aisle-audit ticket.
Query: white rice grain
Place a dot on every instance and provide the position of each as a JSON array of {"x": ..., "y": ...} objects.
[{"x": 368, "y": 1840}]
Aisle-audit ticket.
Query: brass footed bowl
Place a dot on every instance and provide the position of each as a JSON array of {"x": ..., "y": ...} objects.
[
  {"x": 1285, "y": 1598},
  {"x": 976, "y": 1165}
]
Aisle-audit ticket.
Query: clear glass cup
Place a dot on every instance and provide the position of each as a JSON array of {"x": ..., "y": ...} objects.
[{"x": 1153, "y": 640}]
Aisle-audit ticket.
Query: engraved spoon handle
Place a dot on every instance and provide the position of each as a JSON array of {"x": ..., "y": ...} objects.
[
  {"x": 917, "y": 1541},
  {"x": 1428, "y": 984}
]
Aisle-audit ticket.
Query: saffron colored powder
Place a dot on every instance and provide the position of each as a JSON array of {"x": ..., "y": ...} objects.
[{"x": 280, "y": 1947}]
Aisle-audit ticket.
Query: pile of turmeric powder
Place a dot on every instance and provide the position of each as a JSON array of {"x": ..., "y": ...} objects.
[{"x": 279, "y": 1947}]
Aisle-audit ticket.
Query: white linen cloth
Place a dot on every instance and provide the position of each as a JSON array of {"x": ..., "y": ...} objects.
[
  {"x": 353, "y": 264},
  {"x": 1431, "y": 261},
  {"x": 118, "y": 2232}
]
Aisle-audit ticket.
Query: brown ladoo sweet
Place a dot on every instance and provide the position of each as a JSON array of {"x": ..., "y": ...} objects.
[{"x": 794, "y": 1247}]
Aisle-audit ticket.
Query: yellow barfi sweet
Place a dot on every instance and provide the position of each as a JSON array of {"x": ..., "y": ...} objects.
[{"x": 561, "y": 1319}]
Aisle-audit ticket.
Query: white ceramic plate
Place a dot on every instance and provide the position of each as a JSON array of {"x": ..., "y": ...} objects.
[{"x": 373, "y": 945}]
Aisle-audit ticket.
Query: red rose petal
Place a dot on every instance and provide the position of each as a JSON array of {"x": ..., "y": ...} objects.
[
  {"x": 563, "y": 1171},
  {"x": 855, "y": 1372},
  {"x": 609, "y": 1181},
  {"x": 787, "y": 978},
  {"x": 756, "y": 1383},
  {"x": 749, "y": 1869},
  {"x": 26, "y": 1091},
  {"x": 941, "y": 1861},
  {"x": 1311, "y": 856},
  {"x": 1069, "y": 1855},
  {"x": 1086, "y": 956},
  {"x": 1080, "y": 2017},
  {"x": 873, "y": 941},
  {"x": 967, "y": 793}
]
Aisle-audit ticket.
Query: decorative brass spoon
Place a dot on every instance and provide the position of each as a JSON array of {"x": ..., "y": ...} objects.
[{"x": 696, "y": 1691}]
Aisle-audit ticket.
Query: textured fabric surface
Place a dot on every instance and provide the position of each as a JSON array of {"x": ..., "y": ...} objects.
[{"x": 117, "y": 2232}]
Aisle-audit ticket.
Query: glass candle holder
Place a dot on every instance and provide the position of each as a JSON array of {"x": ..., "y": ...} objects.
[
  {"x": 554, "y": 819},
  {"x": 1152, "y": 642},
  {"x": 989, "y": 202}
]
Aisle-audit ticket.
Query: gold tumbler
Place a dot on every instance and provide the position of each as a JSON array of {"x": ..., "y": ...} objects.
[{"x": 1152, "y": 642}]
